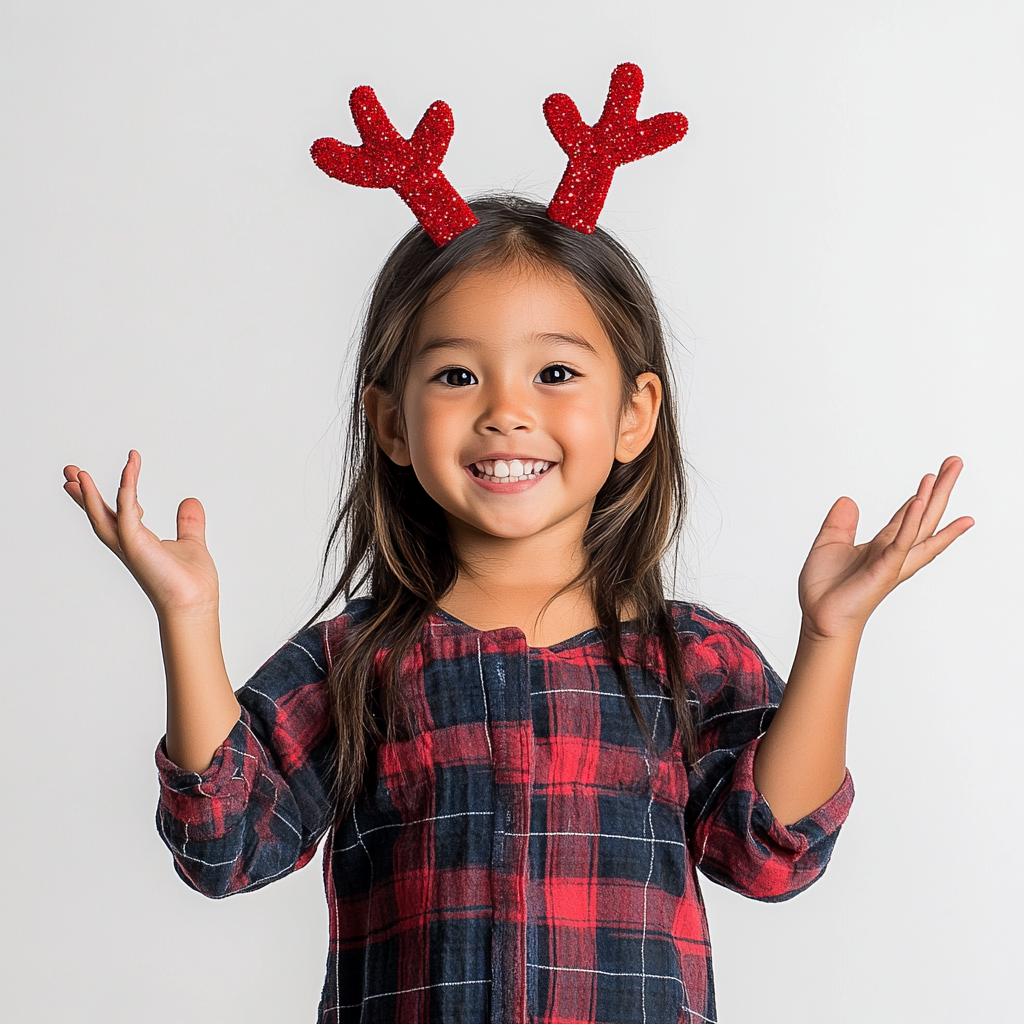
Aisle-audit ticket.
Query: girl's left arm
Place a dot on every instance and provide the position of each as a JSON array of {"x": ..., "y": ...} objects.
[{"x": 801, "y": 760}]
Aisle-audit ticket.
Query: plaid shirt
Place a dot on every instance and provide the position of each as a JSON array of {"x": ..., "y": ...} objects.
[{"x": 520, "y": 857}]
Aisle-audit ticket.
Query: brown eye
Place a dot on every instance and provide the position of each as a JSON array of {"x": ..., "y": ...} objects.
[
  {"x": 556, "y": 374},
  {"x": 458, "y": 377}
]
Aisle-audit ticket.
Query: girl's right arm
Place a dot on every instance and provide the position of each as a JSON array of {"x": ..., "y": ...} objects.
[{"x": 180, "y": 579}]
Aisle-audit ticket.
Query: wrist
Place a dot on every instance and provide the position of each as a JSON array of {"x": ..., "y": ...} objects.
[
  {"x": 188, "y": 616},
  {"x": 185, "y": 632},
  {"x": 848, "y": 633}
]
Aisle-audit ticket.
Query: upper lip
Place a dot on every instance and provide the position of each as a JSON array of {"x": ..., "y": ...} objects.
[{"x": 508, "y": 457}]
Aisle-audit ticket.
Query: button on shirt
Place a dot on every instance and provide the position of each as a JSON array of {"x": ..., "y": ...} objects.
[{"x": 521, "y": 855}]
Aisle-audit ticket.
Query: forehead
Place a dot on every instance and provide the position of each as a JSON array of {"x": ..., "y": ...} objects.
[{"x": 519, "y": 302}]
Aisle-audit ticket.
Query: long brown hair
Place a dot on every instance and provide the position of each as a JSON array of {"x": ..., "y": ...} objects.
[{"x": 393, "y": 538}]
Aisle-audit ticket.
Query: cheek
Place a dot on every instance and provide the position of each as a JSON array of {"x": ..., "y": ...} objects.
[
  {"x": 593, "y": 425},
  {"x": 432, "y": 428}
]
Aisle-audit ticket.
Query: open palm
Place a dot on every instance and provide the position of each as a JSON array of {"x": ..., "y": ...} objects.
[
  {"x": 177, "y": 575},
  {"x": 842, "y": 582}
]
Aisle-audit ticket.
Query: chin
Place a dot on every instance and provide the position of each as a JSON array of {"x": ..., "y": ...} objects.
[
  {"x": 511, "y": 531},
  {"x": 506, "y": 527}
]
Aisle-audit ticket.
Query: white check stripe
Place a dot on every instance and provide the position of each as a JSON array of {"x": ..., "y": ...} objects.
[
  {"x": 606, "y": 974},
  {"x": 600, "y": 835},
  {"x": 308, "y": 655},
  {"x": 369, "y": 904},
  {"x": 483, "y": 690},
  {"x": 739, "y": 711},
  {"x": 335, "y": 912},
  {"x": 598, "y": 693},
  {"x": 260, "y": 693},
  {"x": 418, "y": 821},
  {"x": 418, "y": 988},
  {"x": 648, "y": 824},
  {"x": 625, "y": 974}
]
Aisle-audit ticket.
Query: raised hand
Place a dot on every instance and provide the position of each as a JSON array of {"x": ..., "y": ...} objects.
[
  {"x": 178, "y": 575},
  {"x": 842, "y": 583},
  {"x": 801, "y": 760}
]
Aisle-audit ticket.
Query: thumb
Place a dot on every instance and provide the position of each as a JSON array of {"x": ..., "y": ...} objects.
[
  {"x": 840, "y": 525},
  {"x": 192, "y": 521}
]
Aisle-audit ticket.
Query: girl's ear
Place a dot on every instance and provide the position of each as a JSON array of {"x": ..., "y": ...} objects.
[
  {"x": 639, "y": 418},
  {"x": 386, "y": 422}
]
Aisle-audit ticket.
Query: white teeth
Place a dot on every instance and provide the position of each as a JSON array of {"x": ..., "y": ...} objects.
[{"x": 510, "y": 471}]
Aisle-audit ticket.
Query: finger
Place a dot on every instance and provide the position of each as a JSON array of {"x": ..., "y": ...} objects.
[
  {"x": 101, "y": 516},
  {"x": 928, "y": 549},
  {"x": 72, "y": 486},
  {"x": 924, "y": 494},
  {"x": 939, "y": 496},
  {"x": 894, "y": 524},
  {"x": 906, "y": 536},
  {"x": 129, "y": 512},
  {"x": 192, "y": 521},
  {"x": 926, "y": 487},
  {"x": 891, "y": 529}
]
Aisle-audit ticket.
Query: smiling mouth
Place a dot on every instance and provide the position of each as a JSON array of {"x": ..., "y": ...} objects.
[{"x": 509, "y": 471}]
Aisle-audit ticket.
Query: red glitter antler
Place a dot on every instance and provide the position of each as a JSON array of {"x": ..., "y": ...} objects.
[
  {"x": 595, "y": 151},
  {"x": 412, "y": 167}
]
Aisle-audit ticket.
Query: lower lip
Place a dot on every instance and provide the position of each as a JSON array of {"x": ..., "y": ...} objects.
[{"x": 516, "y": 488}]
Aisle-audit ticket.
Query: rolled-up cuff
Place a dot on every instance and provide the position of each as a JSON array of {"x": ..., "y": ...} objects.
[
  {"x": 745, "y": 847},
  {"x": 220, "y": 772},
  {"x": 825, "y": 821},
  {"x": 206, "y": 805}
]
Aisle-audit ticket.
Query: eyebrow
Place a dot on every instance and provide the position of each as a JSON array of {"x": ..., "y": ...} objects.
[{"x": 442, "y": 343}]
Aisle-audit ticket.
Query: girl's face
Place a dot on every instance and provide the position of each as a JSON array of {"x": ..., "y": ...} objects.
[{"x": 512, "y": 413}]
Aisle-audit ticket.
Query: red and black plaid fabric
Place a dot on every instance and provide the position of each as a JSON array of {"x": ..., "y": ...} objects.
[{"x": 521, "y": 857}]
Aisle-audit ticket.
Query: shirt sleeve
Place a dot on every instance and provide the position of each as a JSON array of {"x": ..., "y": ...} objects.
[
  {"x": 259, "y": 810},
  {"x": 733, "y": 835}
]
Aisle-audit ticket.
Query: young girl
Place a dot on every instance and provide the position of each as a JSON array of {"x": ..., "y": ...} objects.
[{"x": 519, "y": 752}]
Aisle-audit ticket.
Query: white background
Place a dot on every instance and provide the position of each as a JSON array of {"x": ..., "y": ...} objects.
[{"x": 837, "y": 244}]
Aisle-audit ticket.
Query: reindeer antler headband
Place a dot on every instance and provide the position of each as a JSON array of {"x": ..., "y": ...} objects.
[{"x": 412, "y": 167}]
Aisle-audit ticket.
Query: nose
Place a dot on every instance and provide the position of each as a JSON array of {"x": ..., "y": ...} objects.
[{"x": 507, "y": 409}]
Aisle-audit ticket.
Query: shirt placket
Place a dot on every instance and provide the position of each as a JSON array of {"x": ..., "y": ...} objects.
[{"x": 506, "y": 680}]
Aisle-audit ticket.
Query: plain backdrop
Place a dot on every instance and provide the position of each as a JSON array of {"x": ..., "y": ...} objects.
[{"x": 837, "y": 245}]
